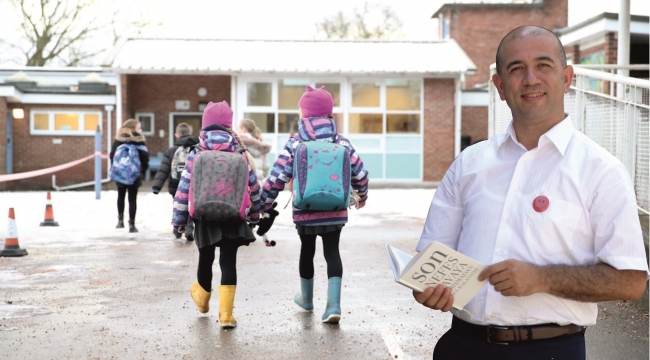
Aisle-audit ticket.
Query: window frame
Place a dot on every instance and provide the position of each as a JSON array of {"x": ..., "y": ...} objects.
[
  {"x": 51, "y": 114},
  {"x": 153, "y": 121}
]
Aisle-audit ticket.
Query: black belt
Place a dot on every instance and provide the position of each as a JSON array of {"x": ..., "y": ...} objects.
[{"x": 509, "y": 334}]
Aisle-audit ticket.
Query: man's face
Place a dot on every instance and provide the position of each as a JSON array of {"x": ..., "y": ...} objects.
[{"x": 532, "y": 80}]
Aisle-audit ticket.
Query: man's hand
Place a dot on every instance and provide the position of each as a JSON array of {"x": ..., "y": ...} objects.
[
  {"x": 514, "y": 278},
  {"x": 438, "y": 298},
  {"x": 361, "y": 204}
]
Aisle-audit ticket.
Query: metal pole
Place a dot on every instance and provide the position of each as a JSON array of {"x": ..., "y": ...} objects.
[
  {"x": 623, "y": 52},
  {"x": 98, "y": 163},
  {"x": 9, "y": 154},
  {"x": 109, "y": 140}
]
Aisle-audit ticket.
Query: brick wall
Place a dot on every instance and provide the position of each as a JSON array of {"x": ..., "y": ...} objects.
[
  {"x": 35, "y": 152},
  {"x": 438, "y": 149},
  {"x": 610, "y": 47},
  {"x": 475, "y": 122},
  {"x": 478, "y": 30},
  {"x": 158, "y": 94}
]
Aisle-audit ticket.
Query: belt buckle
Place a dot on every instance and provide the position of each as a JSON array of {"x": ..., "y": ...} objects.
[{"x": 495, "y": 327}]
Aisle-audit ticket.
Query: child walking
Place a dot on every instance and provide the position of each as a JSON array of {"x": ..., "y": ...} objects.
[
  {"x": 129, "y": 134},
  {"x": 317, "y": 124},
  {"x": 171, "y": 168},
  {"x": 252, "y": 137},
  {"x": 228, "y": 235}
]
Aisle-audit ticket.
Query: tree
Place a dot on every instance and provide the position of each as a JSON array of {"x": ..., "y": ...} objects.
[
  {"x": 377, "y": 22},
  {"x": 68, "y": 32}
]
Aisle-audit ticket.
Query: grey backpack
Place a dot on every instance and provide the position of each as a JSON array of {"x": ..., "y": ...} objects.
[{"x": 219, "y": 186}]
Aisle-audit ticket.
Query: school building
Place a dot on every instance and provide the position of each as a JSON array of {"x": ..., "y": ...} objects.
[{"x": 398, "y": 101}]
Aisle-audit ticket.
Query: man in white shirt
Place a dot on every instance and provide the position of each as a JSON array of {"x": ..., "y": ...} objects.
[{"x": 552, "y": 213}]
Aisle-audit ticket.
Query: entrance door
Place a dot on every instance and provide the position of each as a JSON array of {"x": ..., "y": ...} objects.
[{"x": 193, "y": 120}]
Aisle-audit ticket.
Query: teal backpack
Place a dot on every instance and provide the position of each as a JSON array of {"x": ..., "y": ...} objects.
[{"x": 321, "y": 176}]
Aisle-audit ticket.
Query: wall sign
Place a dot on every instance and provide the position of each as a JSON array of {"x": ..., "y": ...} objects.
[{"x": 182, "y": 104}]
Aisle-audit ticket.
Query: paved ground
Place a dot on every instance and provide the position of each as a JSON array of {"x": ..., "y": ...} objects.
[{"x": 89, "y": 291}]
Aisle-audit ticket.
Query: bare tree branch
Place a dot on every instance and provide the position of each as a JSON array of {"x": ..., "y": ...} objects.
[
  {"x": 62, "y": 30},
  {"x": 358, "y": 26}
]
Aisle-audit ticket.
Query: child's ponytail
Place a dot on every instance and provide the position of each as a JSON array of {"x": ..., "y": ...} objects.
[{"x": 251, "y": 161}]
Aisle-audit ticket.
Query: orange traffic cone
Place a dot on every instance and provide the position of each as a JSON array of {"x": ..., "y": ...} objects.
[
  {"x": 49, "y": 213},
  {"x": 11, "y": 241}
]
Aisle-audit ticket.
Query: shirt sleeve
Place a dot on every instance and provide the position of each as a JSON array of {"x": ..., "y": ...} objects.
[
  {"x": 445, "y": 218},
  {"x": 614, "y": 218}
]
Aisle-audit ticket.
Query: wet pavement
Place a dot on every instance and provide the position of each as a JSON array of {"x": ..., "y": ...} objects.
[{"x": 89, "y": 291}]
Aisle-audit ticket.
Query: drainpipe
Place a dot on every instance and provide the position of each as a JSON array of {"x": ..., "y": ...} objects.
[{"x": 457, "y": 115}]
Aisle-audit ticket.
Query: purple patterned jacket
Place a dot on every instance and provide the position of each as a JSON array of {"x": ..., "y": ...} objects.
[{"x": 324, "y": 129}]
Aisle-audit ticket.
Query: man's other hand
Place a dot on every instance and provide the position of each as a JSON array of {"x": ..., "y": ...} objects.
[{"x": 514, "y": 278}]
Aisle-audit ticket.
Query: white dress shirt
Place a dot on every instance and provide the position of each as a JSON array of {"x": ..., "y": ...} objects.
[{"x": 484, "y": 209}]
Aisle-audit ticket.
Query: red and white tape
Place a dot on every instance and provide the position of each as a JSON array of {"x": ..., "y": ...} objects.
[{"x": 30, "y": 174}]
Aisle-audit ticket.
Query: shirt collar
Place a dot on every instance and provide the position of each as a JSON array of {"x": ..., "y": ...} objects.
[{"x": 559, "y": 135}]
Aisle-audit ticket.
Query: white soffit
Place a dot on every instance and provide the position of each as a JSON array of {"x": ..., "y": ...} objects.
[
  {"x": 599, "y": 28},
  {"x": 232, "y": 57}
]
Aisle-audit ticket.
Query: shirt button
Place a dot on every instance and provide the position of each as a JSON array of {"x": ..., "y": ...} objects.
[{"x": 507, "y": 221}]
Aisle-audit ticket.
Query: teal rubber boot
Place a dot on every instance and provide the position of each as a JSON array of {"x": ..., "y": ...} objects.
[
  {"x": 304, "y": 298},
  {"x": 333, "y": 310}
]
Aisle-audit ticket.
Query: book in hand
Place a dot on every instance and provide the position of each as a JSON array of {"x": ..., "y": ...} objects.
[{"x": 438, "y": 264}]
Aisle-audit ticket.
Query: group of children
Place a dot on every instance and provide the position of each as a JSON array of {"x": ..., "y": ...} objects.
[{"x": 214, "y": 158}]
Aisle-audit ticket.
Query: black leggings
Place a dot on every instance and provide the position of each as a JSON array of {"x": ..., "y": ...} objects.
[
  {"x": 133, "y": 195},
  {"x": 227, "y": 262},
  {"x": 330, "y": 250}
]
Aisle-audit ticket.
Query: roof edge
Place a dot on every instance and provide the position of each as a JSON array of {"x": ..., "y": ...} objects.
[
  {"x": 483, "y": 5},
  {"x": 437, "y": 41},
  {"x": 591, "y": 20}
]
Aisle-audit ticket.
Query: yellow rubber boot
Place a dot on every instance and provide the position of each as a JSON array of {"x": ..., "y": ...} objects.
[
  {"x": 226, "y": 303},
  {"x": 201, "y": 297}
]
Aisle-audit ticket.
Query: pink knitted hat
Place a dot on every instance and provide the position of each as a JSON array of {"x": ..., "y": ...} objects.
[
  {"x": 217, "y": 113},
  {"x": 316, "y": 102}
]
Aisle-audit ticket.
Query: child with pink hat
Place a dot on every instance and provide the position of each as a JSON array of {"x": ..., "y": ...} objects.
[
  {"x": 317, "y": 124},
  {"x": 228, "y": 235}
]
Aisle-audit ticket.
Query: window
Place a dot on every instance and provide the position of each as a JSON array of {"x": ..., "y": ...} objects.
[
  {"x": 391, "y": 106},
  {"x": 63, "y": 122},
  {"x": 273, "y": 104},
  {"x": 445, "y": 29},
  {"x": 146, "y": 121},
  {"x": 365, "y": 95},
  {"x": 259, "y": 94}
]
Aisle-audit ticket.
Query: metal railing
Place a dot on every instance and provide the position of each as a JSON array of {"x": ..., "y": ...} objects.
[{"x": 612, "y": 110}]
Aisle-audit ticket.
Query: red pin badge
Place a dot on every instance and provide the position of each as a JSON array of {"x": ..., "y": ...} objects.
[{"x": 540, "y": 204}]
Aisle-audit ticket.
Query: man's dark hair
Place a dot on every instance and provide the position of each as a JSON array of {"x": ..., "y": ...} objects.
[{"x": 525, "y": 31}]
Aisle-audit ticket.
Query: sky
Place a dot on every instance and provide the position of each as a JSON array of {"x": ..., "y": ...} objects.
[
  {"x": 289, "y": 19},
  {"x": 282, "y": 19}
]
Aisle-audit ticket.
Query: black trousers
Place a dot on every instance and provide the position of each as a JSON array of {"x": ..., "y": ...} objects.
[
  {"x": 133, "y": 203},
  {"x": 330, "y": 250},
  {"x": 227, "y": 262},
  {"x": 458, "y": 345}
]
